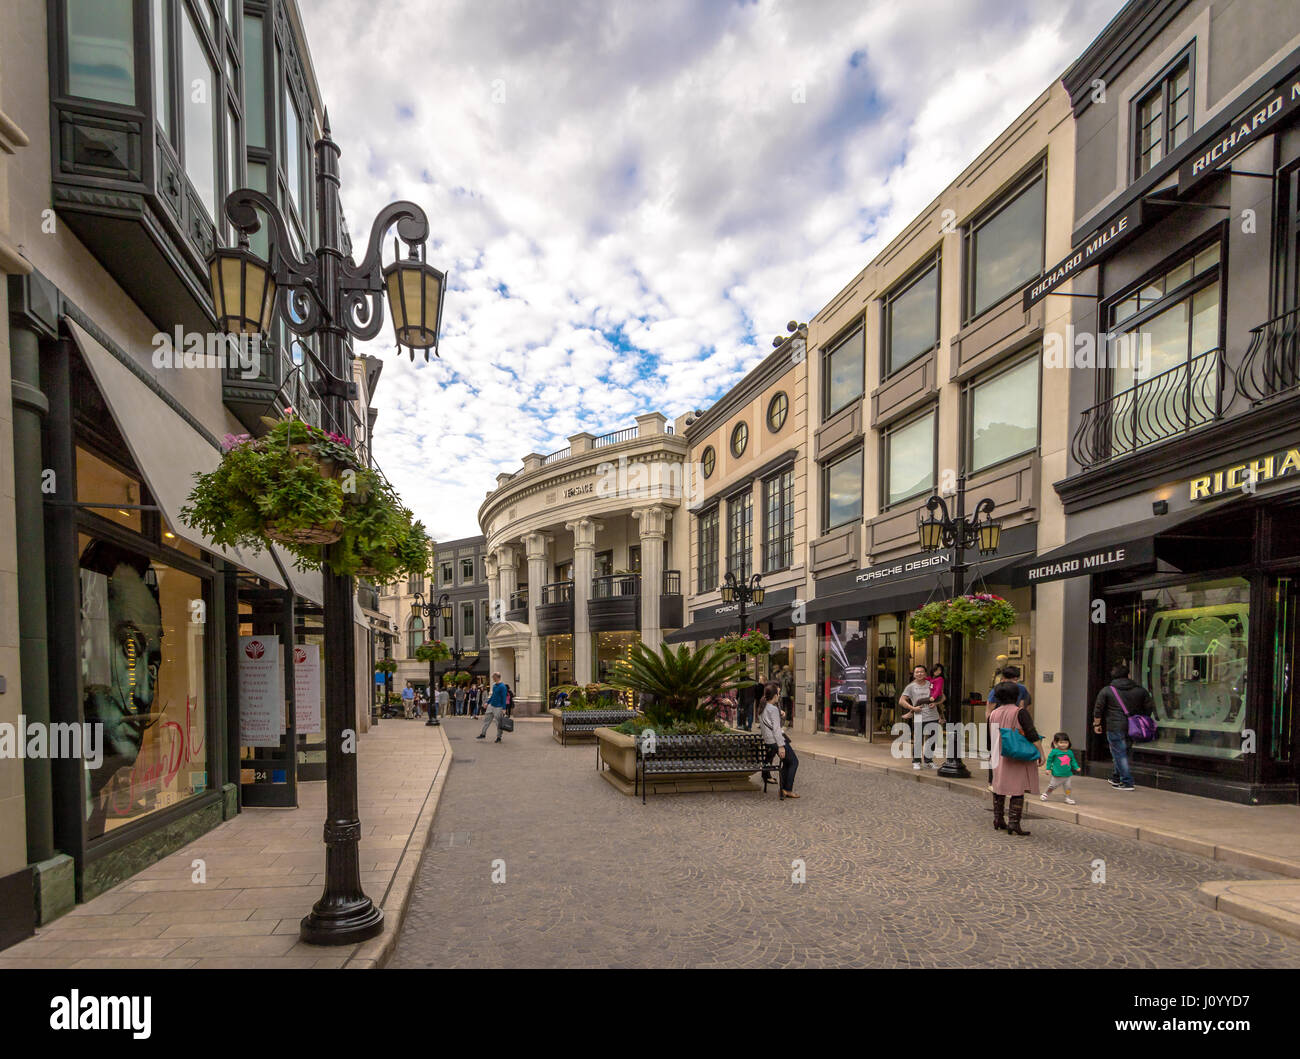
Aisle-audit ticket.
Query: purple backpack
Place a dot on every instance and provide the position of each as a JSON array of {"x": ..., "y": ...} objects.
[{"x": 1141, "y": 728}]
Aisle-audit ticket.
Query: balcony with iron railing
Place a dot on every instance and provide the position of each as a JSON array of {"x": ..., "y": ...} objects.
[
  {"x": 1271, "y": 365},
  {"x": 1169, "y": 405},
  {"x": 555, "y": 609}
]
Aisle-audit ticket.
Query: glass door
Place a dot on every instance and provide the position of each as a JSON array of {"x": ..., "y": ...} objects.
[{"x": 1283, "y": 731}]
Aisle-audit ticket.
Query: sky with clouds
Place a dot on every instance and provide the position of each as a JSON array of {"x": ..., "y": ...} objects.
[{"x": 632, "y": 198}]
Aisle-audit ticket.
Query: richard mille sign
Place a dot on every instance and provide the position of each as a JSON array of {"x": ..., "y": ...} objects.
[{"x": 1246, "y": 476}]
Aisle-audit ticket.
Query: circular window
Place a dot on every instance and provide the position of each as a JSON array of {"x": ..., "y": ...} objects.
[
  {"x": 777, "y": 410},
  {"x": 739, "y": 439},
  {"x": 708, "y": 460}
]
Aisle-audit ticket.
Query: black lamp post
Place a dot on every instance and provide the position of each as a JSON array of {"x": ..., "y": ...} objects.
[
  {"x": 420, "y": 608},
  {"x": 958, "y": 532},
  {"x": 326, "y": 294}
]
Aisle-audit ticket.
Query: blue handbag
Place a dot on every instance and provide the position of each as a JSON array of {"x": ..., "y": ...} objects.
[{"x": 1015, "y": 746}]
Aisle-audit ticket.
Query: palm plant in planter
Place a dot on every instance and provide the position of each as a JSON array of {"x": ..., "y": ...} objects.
[{"x": 675, "y": 683}]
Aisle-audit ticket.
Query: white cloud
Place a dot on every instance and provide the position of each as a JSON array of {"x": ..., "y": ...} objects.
[{"x": 609, "y": 173}]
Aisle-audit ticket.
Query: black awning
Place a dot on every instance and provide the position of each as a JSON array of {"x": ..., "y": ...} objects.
[{"x": 714, "y": 626}]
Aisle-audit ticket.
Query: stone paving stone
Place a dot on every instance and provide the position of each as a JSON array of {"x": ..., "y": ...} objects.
[{"x": 897, "y": 875}]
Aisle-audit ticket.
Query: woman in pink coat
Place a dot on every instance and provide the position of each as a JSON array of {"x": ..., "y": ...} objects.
[{"x": 1010, "y": 777}]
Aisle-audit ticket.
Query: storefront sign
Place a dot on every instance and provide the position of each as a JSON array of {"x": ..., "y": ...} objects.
[
  {"x": 1112, "y": 557},
  {"x": 1261, "y": 120},
  {"x": 723, "y": 610},
  {"x": 874, "y": 575},
  {"x": 306, "y": 688},
  {"x": 1247, "y": 476},
  {"x": 1097, "y": 246},
  {"x": 580, "y": 490},
  {"x": 261, "y": 694}
]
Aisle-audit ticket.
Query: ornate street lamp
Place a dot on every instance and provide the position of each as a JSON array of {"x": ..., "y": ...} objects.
[
  {"x": 419, "y": 608},
  {"x": 936, "y": 528},
  {"x": 326, "y": 294},
  {"x": 735, "y": 590}
]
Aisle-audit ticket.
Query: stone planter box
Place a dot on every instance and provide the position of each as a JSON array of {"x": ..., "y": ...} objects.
[{"x": 618, "y": 752}]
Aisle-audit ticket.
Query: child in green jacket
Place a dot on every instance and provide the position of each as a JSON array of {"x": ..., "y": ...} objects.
[{"x": 1061, "y": 765}]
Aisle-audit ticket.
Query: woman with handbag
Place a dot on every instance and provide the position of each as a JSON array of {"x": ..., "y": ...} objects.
[{"x": 1019, "y": 750}]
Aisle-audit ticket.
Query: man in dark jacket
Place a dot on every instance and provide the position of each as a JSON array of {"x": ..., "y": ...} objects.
[{"x": 1108, "y": 716}]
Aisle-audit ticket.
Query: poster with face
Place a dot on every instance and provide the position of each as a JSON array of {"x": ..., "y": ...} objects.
[{"x": 142, "y": 670}]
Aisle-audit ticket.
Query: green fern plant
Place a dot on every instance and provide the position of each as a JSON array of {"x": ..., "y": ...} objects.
[{"x": 677, "y": 682}]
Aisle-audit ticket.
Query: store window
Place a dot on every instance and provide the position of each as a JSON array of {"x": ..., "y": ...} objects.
[
  {"x": 1164, "y": 346},
  {"x": 740, "y": 535},
  {"x": 1004, "y": 246},
  {"x": 911, "y": 318},
  {"x": 108, "y": 492},
  {"x": 611, "y": 648},
  {"x": 559, "y": 662},
  {"x": 778, "y": 521},
  {"x": 909, "y": 459},
  {"x": 843, "y": 691},
  {"x": 1002, "y": 415},
  {"x": 101, "y": 50},
  {"x": 707, "y": 573},
  {"x": 1187, "y": 644},
  {"x": 843, "y": 368},
  {"x": 1162, "y": 115},
  {"x": 842, "y": 490},
  {"x": 144, "y": 679}
]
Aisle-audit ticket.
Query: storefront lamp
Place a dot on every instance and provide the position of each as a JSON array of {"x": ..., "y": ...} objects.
[
  {"x": 990, "y": 534},
  {"x": 930, "y": 532},
  {"x": 728, "y": 591},
  {"x": 243, "y": 290},
  {"x": 415, "y": 292}
]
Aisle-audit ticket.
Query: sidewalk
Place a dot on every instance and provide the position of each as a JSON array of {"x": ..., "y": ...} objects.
[
  {"x": 1264, "y": 837},
  {"x": 265, "y": 870}
]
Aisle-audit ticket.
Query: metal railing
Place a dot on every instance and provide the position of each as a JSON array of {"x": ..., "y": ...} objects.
[
  {"x": 557, "y": 592},
  {"x": 672, "y": 583},
  {"x": 519, "y": 600},
  {"x": 1164, "y": 406},
  {"x": 614, "y": 438},
  {"x": 1271, "y": 365},
  {"x": 615, "y": 586},
  {"x": 555, "y": 457}
]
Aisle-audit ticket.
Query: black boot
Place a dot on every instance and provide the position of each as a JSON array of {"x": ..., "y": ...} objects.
[
  {"x": 1014, "y": 814},
  {"x": 999, "y": 812}
]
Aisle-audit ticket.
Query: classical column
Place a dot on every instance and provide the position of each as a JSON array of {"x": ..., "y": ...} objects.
[
  {"x": 584, "y": 567},
  {"x": 534, "y": 689},
  {"x": 653, "y": 521},
  {"x": 507, "y": 575},
  {"x": 496, "y": 609}
]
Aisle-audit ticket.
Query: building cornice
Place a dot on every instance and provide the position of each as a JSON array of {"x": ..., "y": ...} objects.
[
  {"x": 1115, "y": 47},
  {"x": 775, "y": 365}
]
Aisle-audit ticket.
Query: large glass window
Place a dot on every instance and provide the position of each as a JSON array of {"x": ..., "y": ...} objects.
[
  {"x": 144, "y": 675},
  {"x": 1162, "y": 117},
  {"x": 740, "y": 535},
  {"x": 162, "y": 66},
  {"x": 842, "y": 487},
  {"x": 844, "y": 373},
  {"x": 707, "y": 527},
  {"x": 113, "y": 494},
  {"x": 1002, "y": 414},
  {"x": 101, "y": 50},
  {"x": 778, "y": 521},
  {"x": 445, "y": 573},
  {"x": 467, "y": 630},
  {"x": 414, "y": 636},
  {"x": 254, "y": 82},
  {"x": 200, "y": 96},
  {"x": 1186, "y": 644},
  {"x": 467, "y": 571},
  {"x": 1004, "y": 249},
  {"x": 293, "y": 149},
  {"x": 911, "y": 314},
  {"x": 1165, "y": 355},
  {"x": 909, "y": 459}
]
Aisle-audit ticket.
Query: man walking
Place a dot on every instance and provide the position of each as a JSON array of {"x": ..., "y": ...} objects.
[
  {"x": 1115, "y": 703},
  {"x": 496, "y": 708},
  {"x": 408, "y": 701}
]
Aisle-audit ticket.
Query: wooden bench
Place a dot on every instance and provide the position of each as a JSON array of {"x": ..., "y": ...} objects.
[{"x": 714, "y": 755}]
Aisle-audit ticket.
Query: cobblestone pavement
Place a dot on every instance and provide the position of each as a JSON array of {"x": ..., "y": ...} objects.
[{"x": 898, "y": 875}]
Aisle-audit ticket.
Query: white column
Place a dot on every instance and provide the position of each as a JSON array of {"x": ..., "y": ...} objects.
[
  {"x": 507, "y": 575},
  {"x": 496, "y": 609},
  {"x": 533, "y": 678},
  {"x": 653, "y": 522},
  {"x": 584, "y": 567}
]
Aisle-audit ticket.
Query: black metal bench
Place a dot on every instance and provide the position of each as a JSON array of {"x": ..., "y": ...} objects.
[
  {"x": 587, "y": 721},
  {"x": 714, "y": 755}
]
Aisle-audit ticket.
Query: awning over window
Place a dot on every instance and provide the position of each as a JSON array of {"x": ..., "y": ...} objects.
[
  {"x": 715, "y": 626},
  {"x": 166, "y": 449}
]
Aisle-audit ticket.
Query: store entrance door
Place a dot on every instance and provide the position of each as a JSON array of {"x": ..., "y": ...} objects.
[
  {"x": 263, "y": 713},
  {"x": 1281, "y": 754}
]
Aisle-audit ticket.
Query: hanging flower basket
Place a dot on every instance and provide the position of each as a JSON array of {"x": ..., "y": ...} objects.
[
  {"x": 970, "y": 615},
  {"x": 752, "y": 643},
  {"x": 304, "y": 536},
  {"x": 386, "y": 665},
  {"x": 433, "y": 651}
]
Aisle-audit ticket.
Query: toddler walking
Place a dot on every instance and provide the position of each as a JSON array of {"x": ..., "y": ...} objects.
[{"x": 1061, "y": 765}]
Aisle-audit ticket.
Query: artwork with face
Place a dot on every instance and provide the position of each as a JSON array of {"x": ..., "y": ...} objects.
[{"x": 142, "y": 670}]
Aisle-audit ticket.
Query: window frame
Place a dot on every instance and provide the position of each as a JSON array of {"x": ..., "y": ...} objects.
[
  {"x": 708, "y": 461},
  {"x": 859, "y": 451},
  {"x": 858, "y": 326},
  {"x": 987, "y": 214},
  {"x": 1161, "y": 83},
  {"x": 780, "y": 395},
  {"x": 784, "y": 541},
  {"x": 886, "y": 435},
  {"x": 934, "y": 260},
  {"x": 740, "y": 430},
  {"x": 1012, "y": 363},
  {"x": 743, "y": 500},
  {"x": 708, "y": 529}
]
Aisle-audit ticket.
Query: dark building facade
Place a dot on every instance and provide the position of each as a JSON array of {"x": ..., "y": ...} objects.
[{"x": 1182, "y": 495}]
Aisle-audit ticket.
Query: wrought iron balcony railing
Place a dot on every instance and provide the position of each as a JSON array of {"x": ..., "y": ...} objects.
[
  {"x": 613, "y": 586},
  {"x": 614, "y": 438},
  {"x": 1271, "y": 365},
  {"x": 672, "y": 583},
  {"x": 557, "y": 592},
  {"x": 1157, "y": 409},
  {"x": 519, "y": 600}
]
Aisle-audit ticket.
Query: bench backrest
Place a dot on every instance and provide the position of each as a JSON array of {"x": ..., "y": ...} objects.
[
  {"x": 599, "y": 718},
  {"x": 741, "y": 747}
]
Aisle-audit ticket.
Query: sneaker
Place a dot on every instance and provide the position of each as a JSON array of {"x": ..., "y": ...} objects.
[
  {"x": 916, "y": 765},
  {"x": 1115, "y": 783},
  {"x": 931, "y": 765},
  {"x": 480, "y": 737},
  {"x": 1070, "y": 801},
  {"x": 1045, "y": 797},
  {"x": 1125, "y": 787},
  {"x": 497, "y": 739}
]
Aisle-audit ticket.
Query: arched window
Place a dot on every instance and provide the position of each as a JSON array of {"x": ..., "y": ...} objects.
[{"x": 414, "y": 635}]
